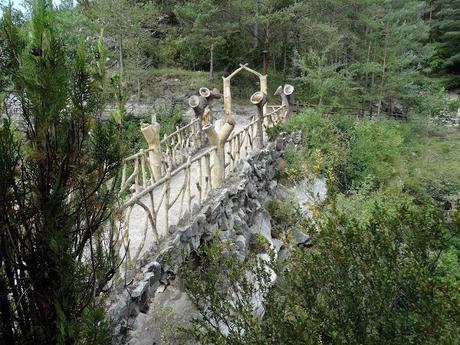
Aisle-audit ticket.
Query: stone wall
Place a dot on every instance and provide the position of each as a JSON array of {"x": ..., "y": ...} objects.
[{"x": 234, "y": 211}]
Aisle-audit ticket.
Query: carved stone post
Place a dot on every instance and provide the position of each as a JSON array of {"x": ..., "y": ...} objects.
[
  {"x": 286, "y": 93},
  {"x": 218, "y": 137},
  {"x": 259, "y": 99},
  {"x": 152, "y": 135}
]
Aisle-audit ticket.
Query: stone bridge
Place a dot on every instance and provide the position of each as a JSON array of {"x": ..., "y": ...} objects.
[
  {"x": 206, "y": 179},
  {"x": 166, "y": 183}
]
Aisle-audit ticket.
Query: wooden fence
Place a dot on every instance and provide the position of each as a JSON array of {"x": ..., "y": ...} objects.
[{"x": 155, "y": 203}]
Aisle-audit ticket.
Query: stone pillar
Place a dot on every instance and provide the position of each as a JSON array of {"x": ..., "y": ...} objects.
[{"x": 152, "y": 136}]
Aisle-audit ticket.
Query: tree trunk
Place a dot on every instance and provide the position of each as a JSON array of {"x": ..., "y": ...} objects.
[
  {"x": 285, "y": 56},
  {"x": 120, "y": 61},
  {"x": 256, "y": 28},
  {"x": 382, "y": 84},
  {"x": 211, "y": 63},
  {"x": 5, "y": 312},
  {"x": 266, "y": 46}
]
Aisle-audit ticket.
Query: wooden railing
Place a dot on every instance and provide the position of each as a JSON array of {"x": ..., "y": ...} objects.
[
  {"x": 166, "y": 201},
  {"x": 240, "y": 145},
  {"x": 178, "y": 145},
  {"x": 153, "y": 207}
]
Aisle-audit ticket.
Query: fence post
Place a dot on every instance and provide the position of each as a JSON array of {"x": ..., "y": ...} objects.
[
  {"x": 199, "y": 104},
  {"x": 264, "y": 89},
  {"x": 218, "y": 137},
  {"x": 259, "y": 99},
  {"x": 152, "y": 136},
  {"x": 286, "y": 93},
  {"x": 166, "y": 196}
]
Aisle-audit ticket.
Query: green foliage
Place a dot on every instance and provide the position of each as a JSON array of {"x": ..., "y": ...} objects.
[
  {"x": 322, "y": 82},
  {"x": 362, "y": 283},
  {"x": 374, "y": 151},
  {"x": 285, "y": 214},
  {"x": 169, "y": 116},
  {"x": 55, "y": 197},
  {"x": 446, "y": 35},
  {"x": 94, "y": 329},
  {"x": 386, "y": 271},
  {"x": 417, "y": 155},
  {"x": 258, "y": 244},
  {"x": 120, "y": 99},
  {"x": 325, "y": 143},
  {"x": 223, "y": 289}
]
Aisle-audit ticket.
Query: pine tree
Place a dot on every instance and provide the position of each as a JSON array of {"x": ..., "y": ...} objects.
[
  {"x": 58, "y": 158},
  {"x": 446, "y": 34}
]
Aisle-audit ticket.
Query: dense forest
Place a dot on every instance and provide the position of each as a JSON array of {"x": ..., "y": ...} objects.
[
  {"x": 367, "y": 54},
  {"x": 372, "y": 81}
]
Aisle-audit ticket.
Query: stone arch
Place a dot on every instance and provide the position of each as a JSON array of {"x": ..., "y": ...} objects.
[{"x": 227, "y": 88}]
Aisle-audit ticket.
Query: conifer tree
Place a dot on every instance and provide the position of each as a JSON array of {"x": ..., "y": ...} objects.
[
  {"x": 446, "y": 34},
  {"x": 57, "y": 159}
]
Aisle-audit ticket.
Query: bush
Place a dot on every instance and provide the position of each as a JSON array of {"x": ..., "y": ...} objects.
[
  {"x": 323, "y": 140},
  {"x": 168, "y": 115},
  {"x": 392, "y": 278},
  {"x": 373, "y": 282},
  {"x": 375, "y": 149},
  {"x": 418, "y": 156},
  {"x": 224, "y": 290}
]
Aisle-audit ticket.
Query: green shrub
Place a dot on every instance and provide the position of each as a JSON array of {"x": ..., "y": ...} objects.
[
  {"x": 322, "y": 139},
  {"x": 222, "y": 288},
  {"x": 285, "y": 214},
  {"x": 390, "y": 278},
  {"x": 94, "y": 328},
  {"x": 169, "y": 116},
  {"x": 375, "y": 149},
  {"x": 373, "y": 281},
  {"x": 258, "y": 244}
]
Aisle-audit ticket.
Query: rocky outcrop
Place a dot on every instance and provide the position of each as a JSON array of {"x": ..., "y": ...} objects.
[{"x": 234, "y": 211}]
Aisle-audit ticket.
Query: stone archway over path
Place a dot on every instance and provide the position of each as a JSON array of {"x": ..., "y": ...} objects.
[{"x": 227, "y": 88}]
